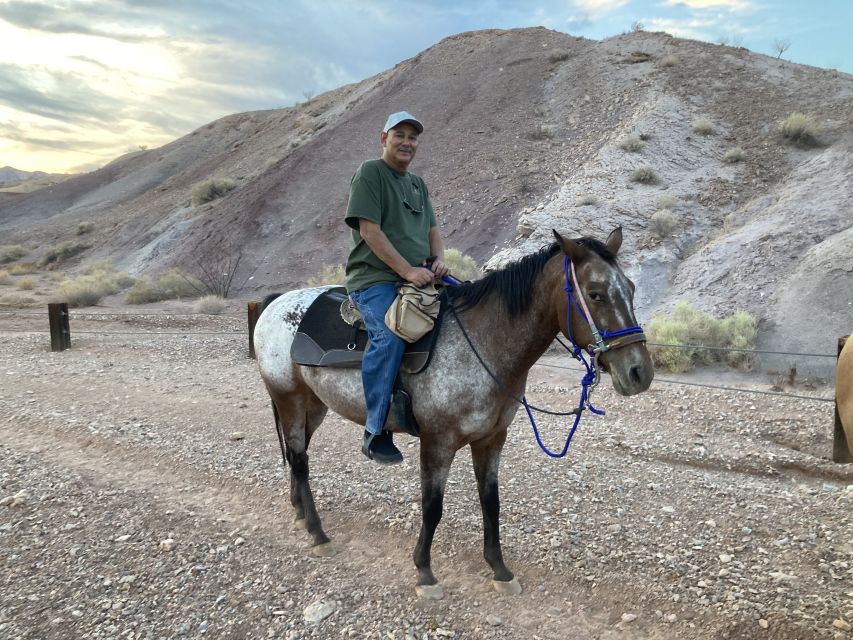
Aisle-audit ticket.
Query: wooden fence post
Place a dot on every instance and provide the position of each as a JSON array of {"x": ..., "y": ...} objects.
[
  {"x": 60, "y": 333},
  {"x": 840, "y": 450},
  {"x": 254, "y": 311}
]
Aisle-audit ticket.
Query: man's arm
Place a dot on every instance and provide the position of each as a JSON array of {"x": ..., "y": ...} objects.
[
  {"x": 379, "y": 243},
  {"x": 436, "y": 248}
]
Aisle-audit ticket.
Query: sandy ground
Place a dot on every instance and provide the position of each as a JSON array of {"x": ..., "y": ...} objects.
[{"x": 143, "y": 496}]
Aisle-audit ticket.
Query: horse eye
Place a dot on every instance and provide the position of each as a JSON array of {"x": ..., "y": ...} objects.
[{"x": 595, "y": 295}]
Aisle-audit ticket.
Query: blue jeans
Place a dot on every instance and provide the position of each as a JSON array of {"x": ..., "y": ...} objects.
[{"x": 383, "y": 355}]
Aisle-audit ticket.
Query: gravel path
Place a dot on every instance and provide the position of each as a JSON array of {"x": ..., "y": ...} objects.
[{"x": 143, "y": 496}]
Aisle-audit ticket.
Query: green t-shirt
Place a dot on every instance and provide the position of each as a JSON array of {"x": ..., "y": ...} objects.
[{"x": 399, "y": 203}]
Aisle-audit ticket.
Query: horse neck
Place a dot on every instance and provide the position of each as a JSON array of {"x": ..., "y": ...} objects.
[{"x": 512, "y": 345}]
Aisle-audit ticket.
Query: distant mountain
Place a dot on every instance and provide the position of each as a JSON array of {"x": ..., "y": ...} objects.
[{"x": 10, "y": 175}]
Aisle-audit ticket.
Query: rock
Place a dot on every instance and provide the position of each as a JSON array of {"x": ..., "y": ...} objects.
[
  {"x": 319, "y": 610},
  {"x": 237, "y": 435},
  {"x": 167, "y": 545},
  {"x": 7, "y": 501},
  {"x": 763, "y": 623},
  {"x": 239, "y": 541},
  {"x": 629, "y": 617},
  {"x": 494, "y": 620},
  {"x": 123, "y": 538},
  {"x": 725, "y": 558},
  {"x": 838, "y": 623}
]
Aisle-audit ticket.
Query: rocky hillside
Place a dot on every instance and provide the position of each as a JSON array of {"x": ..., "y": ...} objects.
[{"x": 526, "y": 130}]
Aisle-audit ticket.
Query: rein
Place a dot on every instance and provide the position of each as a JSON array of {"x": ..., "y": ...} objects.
[{"x": 617, "y": 339}]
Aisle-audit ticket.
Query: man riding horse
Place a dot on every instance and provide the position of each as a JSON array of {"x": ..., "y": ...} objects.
[{"x": 394, "y": 231}]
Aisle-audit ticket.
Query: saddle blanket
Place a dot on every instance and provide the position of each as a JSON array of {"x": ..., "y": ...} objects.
[{"x": 324, "y": 339}]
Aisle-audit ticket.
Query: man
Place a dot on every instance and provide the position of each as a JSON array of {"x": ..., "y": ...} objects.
[{"x": 393, "y": 233}]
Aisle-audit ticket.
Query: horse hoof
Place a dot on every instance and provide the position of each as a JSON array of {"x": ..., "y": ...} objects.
[
  {"x": 430, "y": 591},
  {"x": 325, "y": 550},
  {"x": 511, "y": 588},
  {"x": 299, "y": 523}
]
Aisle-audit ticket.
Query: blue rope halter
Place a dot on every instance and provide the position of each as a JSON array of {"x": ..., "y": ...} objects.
[{"x": 592, "y": 376}]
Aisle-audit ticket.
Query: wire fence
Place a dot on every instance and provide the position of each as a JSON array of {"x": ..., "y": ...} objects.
[{"x": 82, "y": 316}]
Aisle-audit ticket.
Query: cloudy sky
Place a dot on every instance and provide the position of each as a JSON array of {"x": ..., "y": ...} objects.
[{"x": 83, "y": 81}]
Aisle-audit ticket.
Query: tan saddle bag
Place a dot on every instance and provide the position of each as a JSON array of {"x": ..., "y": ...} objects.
[{"x": 413, "y": 312}]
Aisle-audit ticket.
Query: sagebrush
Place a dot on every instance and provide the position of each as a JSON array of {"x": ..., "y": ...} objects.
[
  {"x": 645, "y": 175},
  {"x": 733, "y": 155},
  {"x": 632, "y": 144},
  {"x": 61, "y": 251},
  {"x": 331, "y": 274},
  {"x": 211, "y": 190},
  {"x": 211, "y": 305},
  {"x": 11, "y": 252},
  {"x": 800, "y": 129},
  {"x": 704, "y": 127},
  {"x": 462, "y": 266},
  {"x": 166, "y": 286},
  {"x": 662, "y": 223},
  {"x": 688, "y": 328},
  {"x": 95, "y": 283}
]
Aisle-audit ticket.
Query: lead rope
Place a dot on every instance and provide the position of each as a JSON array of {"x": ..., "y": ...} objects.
[{"x": 588, "y": 382}]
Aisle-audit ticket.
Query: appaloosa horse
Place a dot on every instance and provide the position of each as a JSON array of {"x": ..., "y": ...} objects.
[{"x": 511, "y": 316}]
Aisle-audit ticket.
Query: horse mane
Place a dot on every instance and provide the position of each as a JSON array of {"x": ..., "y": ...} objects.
[{"x": 513, "y": 284}]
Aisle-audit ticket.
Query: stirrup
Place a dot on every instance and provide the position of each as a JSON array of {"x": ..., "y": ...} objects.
[{"x": 402, "y": 403}]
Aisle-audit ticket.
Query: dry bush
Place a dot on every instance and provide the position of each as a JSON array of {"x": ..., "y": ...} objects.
[
  {"x": 663, "y": 223},
  {"x": 166, "y": 286},
  {"x": 85, "y": 227},
  {"x": 690, "y": 328},
  {"x": 800, "y": 129},
  {"x": 704, "y": 127},
  {"x": 587, "y": 199},
  {"x": 632, "y": 143},
  {"x": 331, "y": 274},
  {"x": 26, "y": 284},
  {"x": 733, "y": 155},
  {"x": 62, "y": 251},
  {"x": 11, "y": 252},
  {"x": 211, "y": 305},
  {"x": 462, "y": 266},
  {"x": 96, "y": 282},
  {"x": 560, "y": 56},
  {"x": 16, "y": 300},
  {"x": 211, "y": 190},
  {"x": 541, "y": 132},
  {"x": 665, "y": 202},
  {"x": 5, "y": 277},
  {"x": 669, "y": 60},
  {"x": 23, "y": 268},
  {"x": 645, "y": 175}
]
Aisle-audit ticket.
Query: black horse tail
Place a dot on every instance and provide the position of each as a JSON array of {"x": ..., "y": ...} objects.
[{"x": 267, "y": 300}]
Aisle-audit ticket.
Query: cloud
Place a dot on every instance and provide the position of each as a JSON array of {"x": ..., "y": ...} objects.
[
  {"x": 600, "y": 7},
  {"x": 735, "y": 5}
]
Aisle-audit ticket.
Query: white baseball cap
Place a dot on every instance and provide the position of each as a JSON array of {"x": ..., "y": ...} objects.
[{"x": 402, "y": 116}]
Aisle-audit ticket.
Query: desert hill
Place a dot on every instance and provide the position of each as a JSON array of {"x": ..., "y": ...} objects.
[{"x": 525, "y": 131}]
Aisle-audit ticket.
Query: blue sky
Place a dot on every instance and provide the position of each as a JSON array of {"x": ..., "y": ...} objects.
[{"x": 83, "y": 81}]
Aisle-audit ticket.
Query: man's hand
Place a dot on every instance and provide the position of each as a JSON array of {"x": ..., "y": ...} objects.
[
  {"x": 419, "y": 276},
  {"x": 439, "y": 268}
]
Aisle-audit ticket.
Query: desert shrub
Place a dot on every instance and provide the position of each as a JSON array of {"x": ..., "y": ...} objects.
[
  {"x": 166, "y": 286},
  {"x": 800, "y": 129},
  {"x": 462, "y": 266},
  {"x": 23, "y": 268},
  {"x": 211, "y": 304},
  {"x": 665, "y": 202},
  {"x": 669, "y": 60},
  {"x": 587, "y": 199},
  {"x": 662, "y": 223},
  {"x": 632, "y": 143},
  {"x": 560, "y": 56},
  {"x": 96, "y": 282},
  {"x": 211, "y": 190},
  {"x": 85, "y": 227},
  {"x": 61, "y": 251},
  {"x": 645, "y": 175},
  {"x": 26, "y": 284},
  {"x": 541, "y": 132},
  {"x": 331, "y": 274},
  {"x": 691, "y": 328},
  {"x": 733, "y": 155},
  {"x": 704, "y": 127},
  {"x": 5, "y": 277},
  {"x": 11, "y": 252}
]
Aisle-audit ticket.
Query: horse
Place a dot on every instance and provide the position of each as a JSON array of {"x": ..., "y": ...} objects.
[
  {"x": 844, "y": 402},
  {"x": 497, "y": 328}
]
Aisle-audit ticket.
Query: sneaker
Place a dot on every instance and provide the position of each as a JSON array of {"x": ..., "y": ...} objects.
[{"x": 381, "y": 448}]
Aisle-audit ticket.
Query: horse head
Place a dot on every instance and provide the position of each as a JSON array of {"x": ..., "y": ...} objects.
[{"x": 595, "y": 286}]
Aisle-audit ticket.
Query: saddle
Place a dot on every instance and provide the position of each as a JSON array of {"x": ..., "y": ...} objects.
[{"x": 325, "y": 339}]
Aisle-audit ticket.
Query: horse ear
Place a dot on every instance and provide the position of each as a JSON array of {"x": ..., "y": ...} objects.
[
  {"x": 614, "y": 240},
  {"x": 571, "y": 248}
]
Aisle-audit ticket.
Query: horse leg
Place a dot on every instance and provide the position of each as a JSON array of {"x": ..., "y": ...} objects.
[
  {"x": 298, "y": 419},
  {"x": 486, "y": 456},
  {"x": 435, "y": 466}
]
